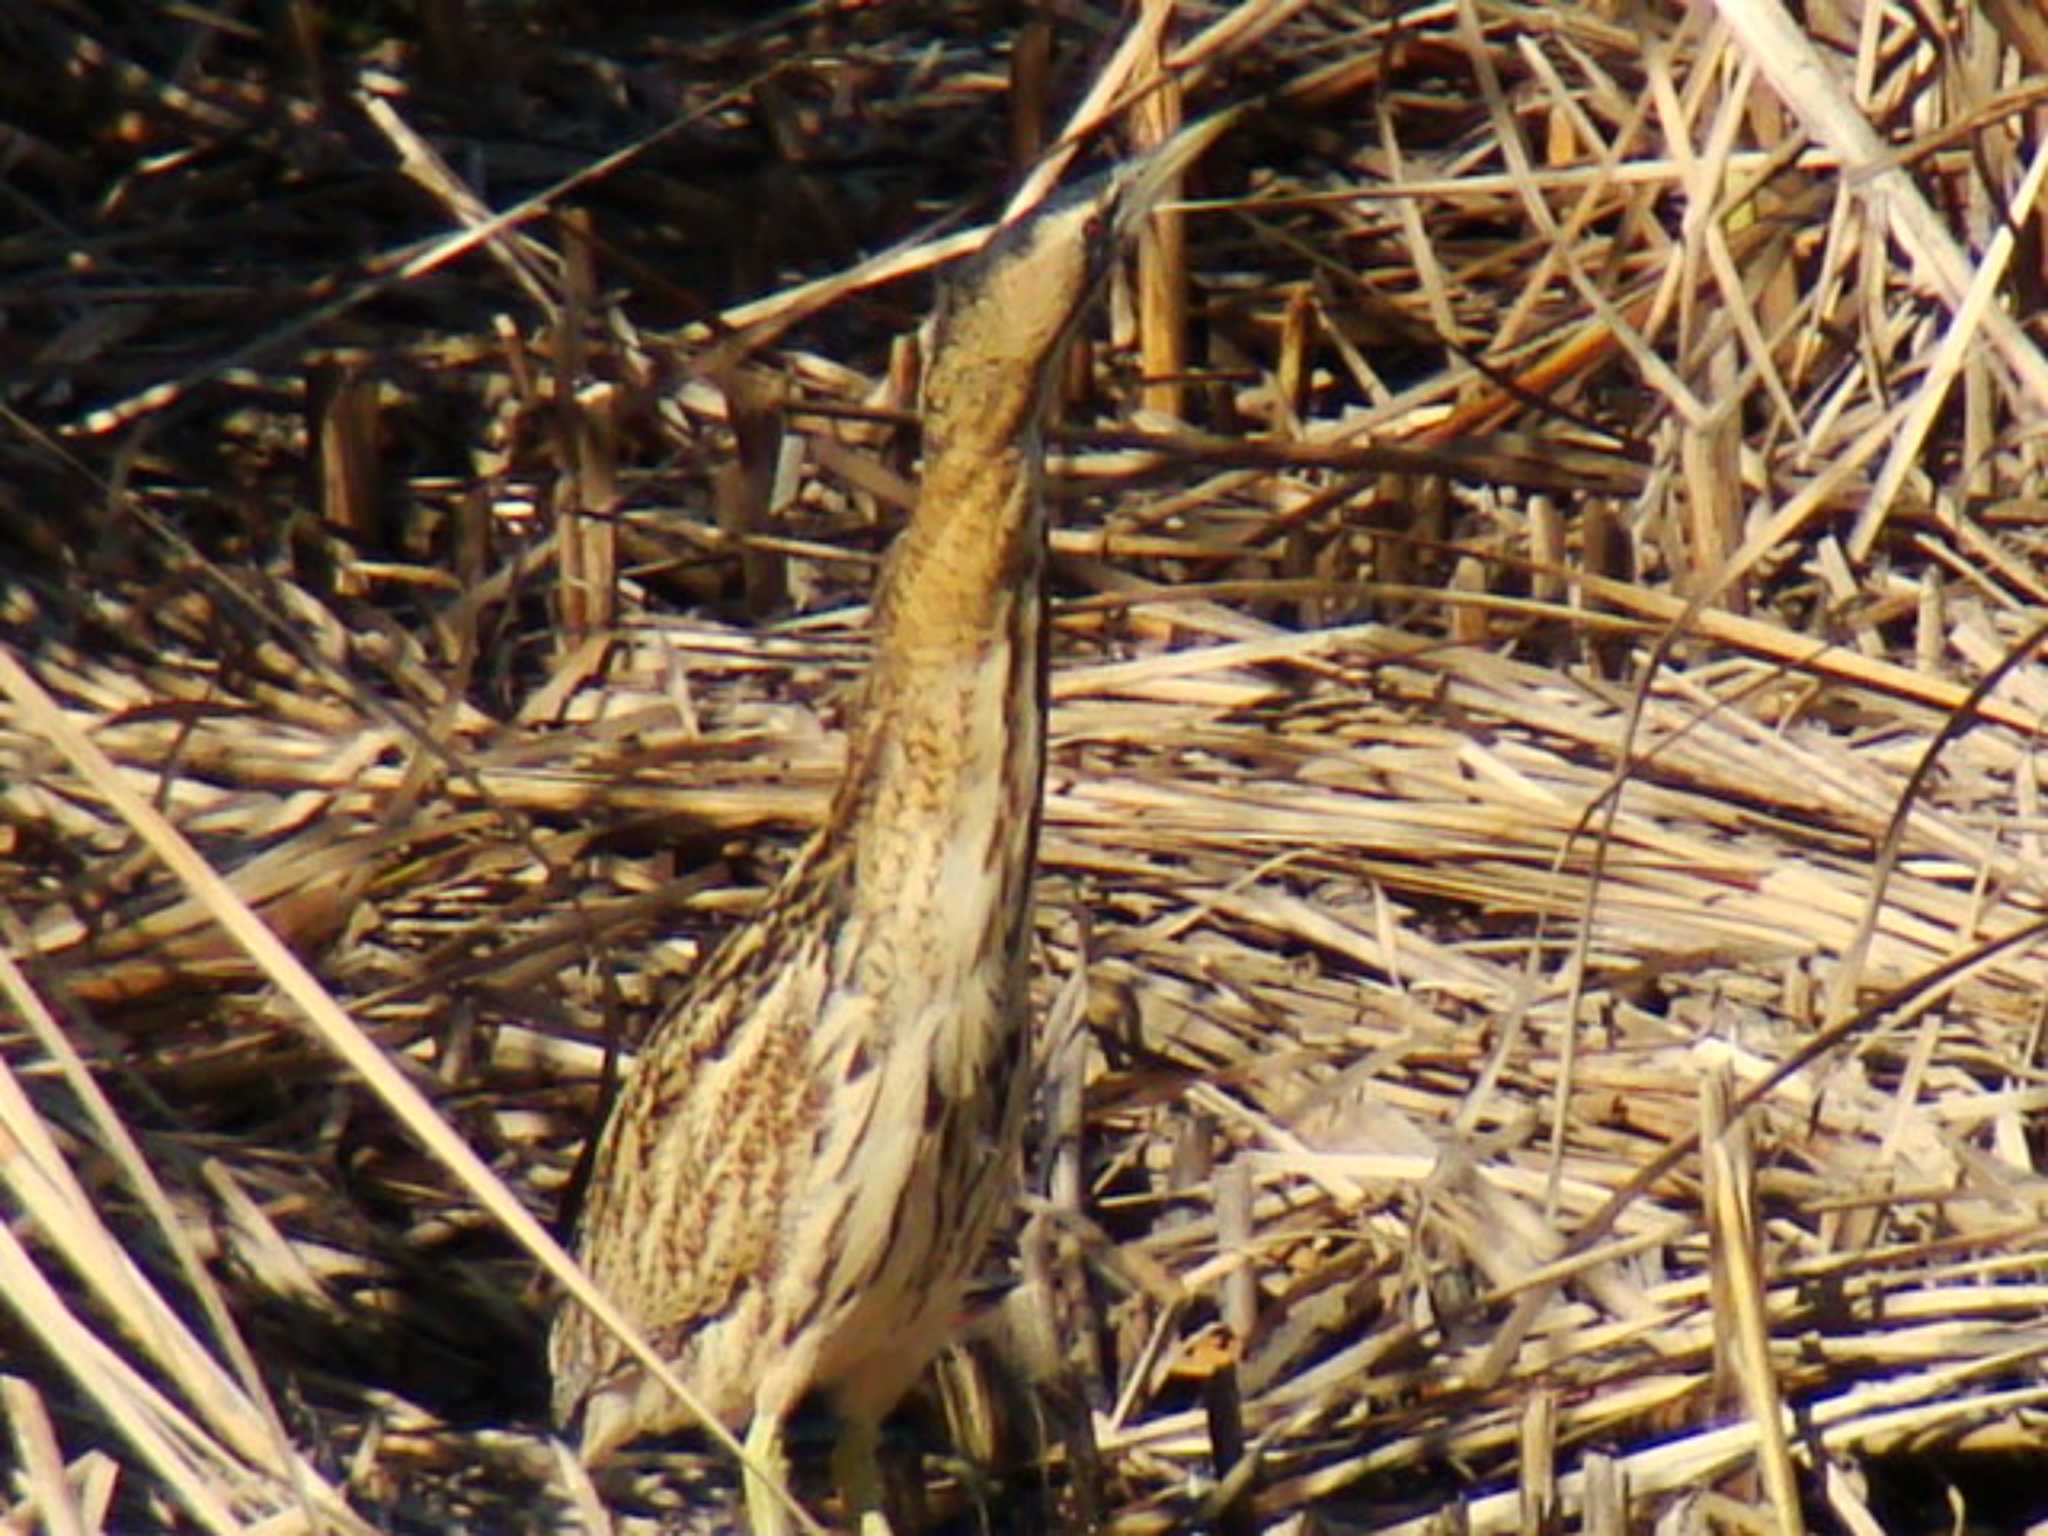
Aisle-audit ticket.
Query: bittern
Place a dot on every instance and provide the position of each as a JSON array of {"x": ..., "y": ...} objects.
[{"x": 808, "y": 1159}]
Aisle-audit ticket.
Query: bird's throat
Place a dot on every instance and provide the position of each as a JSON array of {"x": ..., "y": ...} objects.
[{"x": 946, "y": 760}]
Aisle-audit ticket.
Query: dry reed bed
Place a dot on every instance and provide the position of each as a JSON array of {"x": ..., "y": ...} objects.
[{"x": 1542, "y": 907}]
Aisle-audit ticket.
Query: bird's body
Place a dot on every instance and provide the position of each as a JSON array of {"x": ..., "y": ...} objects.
[
  {"x": 792, "y": 1119},
  {"x": 805, "y": 1165}
]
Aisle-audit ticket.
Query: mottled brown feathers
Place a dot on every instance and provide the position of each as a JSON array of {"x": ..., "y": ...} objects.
[{"x": 804, "y": 1167}]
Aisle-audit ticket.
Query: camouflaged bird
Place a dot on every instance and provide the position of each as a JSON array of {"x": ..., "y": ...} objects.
[{"x": 805, "y": 1165}]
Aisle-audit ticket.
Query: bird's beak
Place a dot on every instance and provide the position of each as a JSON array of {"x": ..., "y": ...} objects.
[{"x": 1155, "y": 175}]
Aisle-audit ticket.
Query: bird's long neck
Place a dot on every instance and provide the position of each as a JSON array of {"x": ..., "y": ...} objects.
[{"x": 946, "y": 761}]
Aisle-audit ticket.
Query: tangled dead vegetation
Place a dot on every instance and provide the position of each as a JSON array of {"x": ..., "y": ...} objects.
[{"x": 1544, "y": 916}]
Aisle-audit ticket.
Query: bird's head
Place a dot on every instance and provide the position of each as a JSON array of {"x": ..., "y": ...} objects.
[{"x": 1012, "y": 307}]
